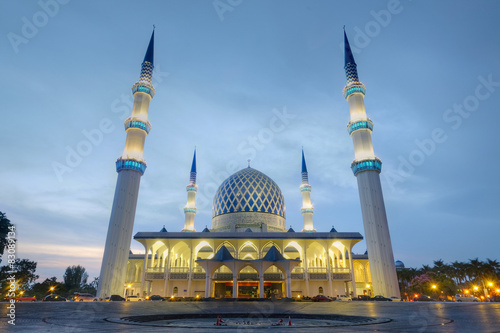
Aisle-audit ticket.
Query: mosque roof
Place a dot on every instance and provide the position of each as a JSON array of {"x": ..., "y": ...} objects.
[{"x": 245, "y": 235}]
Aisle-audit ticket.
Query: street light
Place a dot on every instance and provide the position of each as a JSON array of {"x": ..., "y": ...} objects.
[{"x": 51, "y": 289}]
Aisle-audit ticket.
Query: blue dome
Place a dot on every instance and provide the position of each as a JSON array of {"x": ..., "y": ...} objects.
[
  {"x": 249, "y": 190},
  {"x": 399, "y": 264}
]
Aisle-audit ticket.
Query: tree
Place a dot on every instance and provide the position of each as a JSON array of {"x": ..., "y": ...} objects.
[
  {"x": 75, "y": 277},
  {"x": 24, "y": 272},
  {"x": 5, "y": 228},
  {"x": 49, "y": 286}
]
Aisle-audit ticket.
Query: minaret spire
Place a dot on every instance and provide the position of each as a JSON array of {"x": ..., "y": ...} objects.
[
  {"x": 192, "y": 188},
  {"x": 367, "y": 167},
  {"x": 307, "y": 208},
  {"x": 305, "y": 177},
  {"x": 130, "y": 167},
  {"x": 192, "y": 176}
]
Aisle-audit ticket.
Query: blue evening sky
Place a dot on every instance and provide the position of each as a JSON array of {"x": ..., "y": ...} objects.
[{"x": 225, "y": 70}]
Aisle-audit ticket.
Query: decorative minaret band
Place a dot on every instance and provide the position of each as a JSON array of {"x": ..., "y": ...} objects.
[
  {"x": 190, "y": 209},
  {"x": 307, "y": 208},
  {"x": 130, "y": 167},
  {"x": 367, "y": 167}
]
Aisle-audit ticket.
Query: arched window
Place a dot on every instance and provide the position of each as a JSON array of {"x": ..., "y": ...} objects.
[
  {"x": 320, "y": 290},
  {"x": 176, "y": 290}
]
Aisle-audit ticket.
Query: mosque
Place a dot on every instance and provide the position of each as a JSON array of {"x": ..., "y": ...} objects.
[{"x": 248, "y": 252}]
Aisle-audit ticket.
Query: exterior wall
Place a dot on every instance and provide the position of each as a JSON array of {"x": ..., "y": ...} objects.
[
  {"x": 240, "y": 221},
  {"x": 171, "y": 263}
]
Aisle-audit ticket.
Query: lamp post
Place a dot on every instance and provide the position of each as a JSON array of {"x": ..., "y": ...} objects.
[{"x": 51, "y": 289}]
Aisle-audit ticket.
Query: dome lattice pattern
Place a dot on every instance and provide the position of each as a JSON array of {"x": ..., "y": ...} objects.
[{"x": 249, "y": 190}]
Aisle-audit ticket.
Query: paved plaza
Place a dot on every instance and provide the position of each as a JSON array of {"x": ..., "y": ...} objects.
[{"x": 253, "y": 317}]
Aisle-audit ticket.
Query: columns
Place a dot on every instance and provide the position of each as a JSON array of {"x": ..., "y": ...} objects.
[
  {"x": 329, "y": 272},
  {"x": 353, "y": 281},
  {"x": 144, "y": 271},
  {"x": 235, "y": 284},
  {"x": 190, "y": 272},
  {"x": 306, "y": 273},
  {"x": 208, "y": 284},
  {"x": 261, "y": 285},
  {"x": 167, "y": 273},
  {"x": 288, "y": 283}
]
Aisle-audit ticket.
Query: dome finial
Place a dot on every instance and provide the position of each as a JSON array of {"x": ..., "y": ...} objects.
[{"x": 249, "y": 163}]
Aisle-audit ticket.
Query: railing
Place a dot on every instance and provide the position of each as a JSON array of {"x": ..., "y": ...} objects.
[
  {"x": 199, "y": 276},
  {"x": 248, "y": 276},
  {"x": 178, "y": 276},
  {"x": 341, "y": 276},
  {"x": 155, "y": 276},
  {"x": 273, "y": 276},
  {"x": 223, "y": 276},
  {"x": 297, "y": 276},
  {"x": 341, "y": 270},
  {"x": 317, "y": 276}
]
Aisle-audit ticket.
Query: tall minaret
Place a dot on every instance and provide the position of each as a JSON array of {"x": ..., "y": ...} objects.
[
  {"x": 130, "y": 167},
  {"x": 307, "y": 208},
  {"x": 190, "y": 209},
  {"x": 366, "y": 167}
]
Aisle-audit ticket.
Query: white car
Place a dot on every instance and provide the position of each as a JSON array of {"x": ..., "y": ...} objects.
[
  {"x": 85, "y": 297},
  {"x": 466, "y": 298},
  {"x": 134, "y": 299},
  {"x": 344, "y": 298},
  {"x": 395, "y": 299}
]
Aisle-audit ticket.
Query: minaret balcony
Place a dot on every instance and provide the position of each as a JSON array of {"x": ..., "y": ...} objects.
[
  {"x": 136, "y": 123},
  {"x": 190, "y": 210},
  {"x": 191, "y": 188},
  {"x": 358, "y": 125},
  {"x": 305, "y": 188},
  {"x": 307, "y": 210},
  {"x": 366, "y": 165},
  {"x": 143, "y": 87},
  {"x": 354, "y": 88},
  {"x": 135, "y": 165}
]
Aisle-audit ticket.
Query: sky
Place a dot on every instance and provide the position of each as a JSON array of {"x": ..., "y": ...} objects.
[{"x": 257, "y": 80}]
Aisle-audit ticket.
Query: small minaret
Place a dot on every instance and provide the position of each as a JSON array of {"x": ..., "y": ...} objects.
[
  {"x": 130, "y": 167},
  {"x": 307, "y": 208},
  {"x": 367, "y": 167},
  {"x": 190, "y": 209}
]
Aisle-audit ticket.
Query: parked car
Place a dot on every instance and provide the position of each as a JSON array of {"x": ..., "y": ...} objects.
[
  {"x": 114, "y": 298},
  {"x": 344, "y": 298},
  {"x": 423, "y": 298},
  {"x": 380, "y": 298},
  {"x": 363, "y": 298},
  {"x": 466, "y": 298},
  {"x": 395, "y": 299},
  {"x": 84, "y": 297},
  {"x": 54, "y": 298},
  {"x": 321, "y": 298},
  {"x": 134, "y": 299},
  {"x": 155, "y": 298},
  {"x": 495, "y": 298}
]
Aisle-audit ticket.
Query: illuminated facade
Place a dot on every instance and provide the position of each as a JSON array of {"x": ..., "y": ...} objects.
[{"x": 367, "y": 167}]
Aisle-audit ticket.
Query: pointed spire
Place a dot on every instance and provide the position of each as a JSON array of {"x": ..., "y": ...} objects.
[
  {"x": 192, "y": 176},
  {"x": 151, "y": 47},
  {"x": 305, "y": 177},
  {"x": 349, "y": 58},
  {"x": 351, "y": 71}
]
